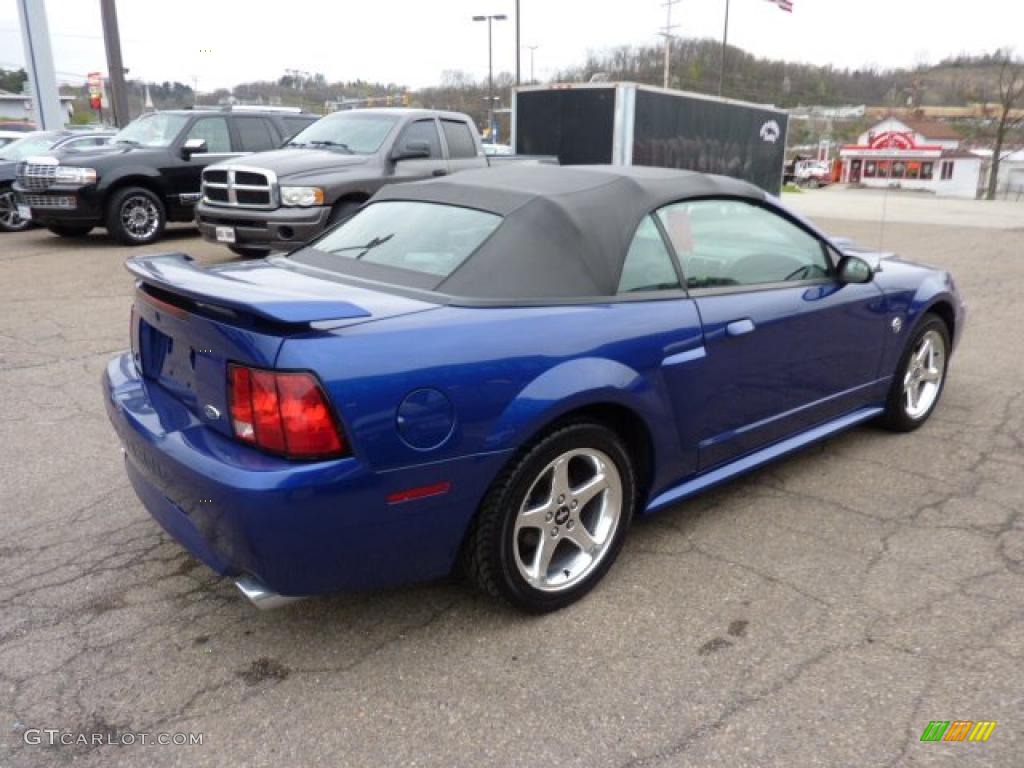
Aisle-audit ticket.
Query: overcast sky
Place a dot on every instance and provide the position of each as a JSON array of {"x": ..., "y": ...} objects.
[{"x": 413, "y": 41}]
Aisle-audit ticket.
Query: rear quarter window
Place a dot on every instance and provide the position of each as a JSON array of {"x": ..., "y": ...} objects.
[
  {"x": 295, "y": 124},
  {"x": 424, "y": 238}
]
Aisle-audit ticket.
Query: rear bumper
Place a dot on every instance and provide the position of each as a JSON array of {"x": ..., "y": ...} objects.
[
  {"x": 278, "y": 228},
  {"x": 299, "y": 528}
]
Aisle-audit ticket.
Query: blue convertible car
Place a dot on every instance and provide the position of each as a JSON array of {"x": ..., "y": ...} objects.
[{"x": 501, "y": 369}]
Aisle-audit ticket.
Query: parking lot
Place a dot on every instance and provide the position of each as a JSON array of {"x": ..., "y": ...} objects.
[{"x": 819, "y": 612}]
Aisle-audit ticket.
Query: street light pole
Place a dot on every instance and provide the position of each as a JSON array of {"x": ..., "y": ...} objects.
[
  {"x": 532, "y": 49},
  {"x": 490, "y": 68}
]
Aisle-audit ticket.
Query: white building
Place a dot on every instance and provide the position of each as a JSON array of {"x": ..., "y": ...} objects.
[
  {"x": 1011, "y": 173},
  {"x": 912, "y": 154},
  {"x": 18, "y": 106}
]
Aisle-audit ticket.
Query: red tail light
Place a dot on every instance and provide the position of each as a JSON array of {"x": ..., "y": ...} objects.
[{"x": 284, "y": 413}]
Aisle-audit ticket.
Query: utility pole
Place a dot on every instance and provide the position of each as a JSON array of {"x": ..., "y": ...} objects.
[
  {"x": 532, "y": 49},
  {"x": 115, "y": 66},
  {"x": 666, "y": 32}
]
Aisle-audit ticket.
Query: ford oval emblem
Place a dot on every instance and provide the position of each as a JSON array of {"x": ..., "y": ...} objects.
[{"x": 211, "y": 412}]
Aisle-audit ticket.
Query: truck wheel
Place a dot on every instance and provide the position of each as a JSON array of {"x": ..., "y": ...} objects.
[
  {"x": 135, "y": 216},
  {"x": 10, "y": 221},
  {"x": 342, "y": 210},
  {"x": 248, "y": 253},
  {"x": 70, "y": 230}
]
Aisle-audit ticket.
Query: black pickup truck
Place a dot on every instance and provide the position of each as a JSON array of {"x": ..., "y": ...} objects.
[
  {"x": 148, "y": 174},
  {"x": 282, "y": 199}
]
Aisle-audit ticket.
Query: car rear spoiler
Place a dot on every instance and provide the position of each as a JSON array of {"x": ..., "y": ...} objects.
[{"x": 177, "y": 273}]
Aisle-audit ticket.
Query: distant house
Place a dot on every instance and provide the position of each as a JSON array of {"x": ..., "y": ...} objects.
[
  {"x": 912, "y": 154},
  {"x": 18, "y": 106}
]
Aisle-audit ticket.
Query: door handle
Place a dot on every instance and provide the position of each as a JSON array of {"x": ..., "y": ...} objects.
[
  {"x": 440, "y": 172},
  {"x": 740, "y": 327}
]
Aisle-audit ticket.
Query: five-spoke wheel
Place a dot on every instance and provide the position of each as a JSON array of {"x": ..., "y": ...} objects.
[
  {"x": 917, "y": 383},
  {"x": 568, "y": 519},
  {"x": 923, "y": 378},
  {"x": 555, "y": 519}
]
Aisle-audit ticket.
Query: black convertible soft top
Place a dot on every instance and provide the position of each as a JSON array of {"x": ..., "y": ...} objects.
[{"x": 566, "y": 230}]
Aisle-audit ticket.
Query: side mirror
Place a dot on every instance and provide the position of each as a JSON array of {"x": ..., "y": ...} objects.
[
  {"x": 193, "y": 147},
  {"x": 854, "y": 269},
  {"x": 411, "y": 150}
]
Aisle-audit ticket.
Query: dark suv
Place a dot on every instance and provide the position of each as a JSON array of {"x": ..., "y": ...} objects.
[
  {"x": 36, "y": 143},
  {"x": 149, "y": 174}
]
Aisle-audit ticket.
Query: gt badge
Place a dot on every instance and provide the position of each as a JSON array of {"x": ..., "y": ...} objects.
[{"x": 897, "y": 325}]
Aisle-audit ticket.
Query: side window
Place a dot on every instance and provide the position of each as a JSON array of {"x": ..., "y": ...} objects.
[
  {"x": 730, "y": 242},
  {"x": 423, "y": 130},
  {"x": 648, "y": 265},
  {"x": 254, "y": 134},
  {"x": 459, "y": 138},
  {"x": 214, "y": 130}
]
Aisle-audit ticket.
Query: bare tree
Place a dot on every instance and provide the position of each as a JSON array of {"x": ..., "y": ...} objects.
[{"x": 1010, "y": 95}]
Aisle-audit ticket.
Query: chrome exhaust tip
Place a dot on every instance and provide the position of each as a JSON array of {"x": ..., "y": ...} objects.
[{"x": 260, "y": 596}]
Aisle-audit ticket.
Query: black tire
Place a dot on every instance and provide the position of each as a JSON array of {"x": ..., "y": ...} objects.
[
  {"x": 135, "y": 216},
  {"x": 70, "y": 230},
  {"x": 248, "y": 253},
  {"x": 342, "y": 210},
  {"x": 813, "y": 183},
  {"x": 898, "y": 415},
  {"x": 10, "y": 221},
  {"x": 490, "y": 555}
]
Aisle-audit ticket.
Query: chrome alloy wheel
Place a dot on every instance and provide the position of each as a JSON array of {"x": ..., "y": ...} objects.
[
  {"x": 9, "y": 217},
  {"x": 140, "y": 217},
  {"x": 923, "y": 378},
  {"x": 567, "y": 521}
]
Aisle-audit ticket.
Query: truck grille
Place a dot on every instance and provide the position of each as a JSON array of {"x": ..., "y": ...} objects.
[
  {"x": 239, "y": 187},
  {"x": 36, "y": 176}
]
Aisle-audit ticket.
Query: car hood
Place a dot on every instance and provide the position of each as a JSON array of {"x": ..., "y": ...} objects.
[
  {"x": 111, "y": 154},
  {"x": 289, "y": 163}
]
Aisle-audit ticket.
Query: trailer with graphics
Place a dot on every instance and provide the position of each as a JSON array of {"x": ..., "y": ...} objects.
[{"x": 633, "y": 124}]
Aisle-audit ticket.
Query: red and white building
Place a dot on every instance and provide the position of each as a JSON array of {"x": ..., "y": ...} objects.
[{"x": 912, "y": 154}]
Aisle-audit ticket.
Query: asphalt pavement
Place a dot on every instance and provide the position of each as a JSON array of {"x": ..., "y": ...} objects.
[{"x": 820, "y": 612}]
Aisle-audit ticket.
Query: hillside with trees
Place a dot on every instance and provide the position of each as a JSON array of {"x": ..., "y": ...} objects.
[
  {"x": 956, "y": 81},
  {"x": 695, "y": 65}
]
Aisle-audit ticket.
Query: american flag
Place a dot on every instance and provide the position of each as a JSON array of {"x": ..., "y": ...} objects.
[{"x": 786, "y": 5}]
